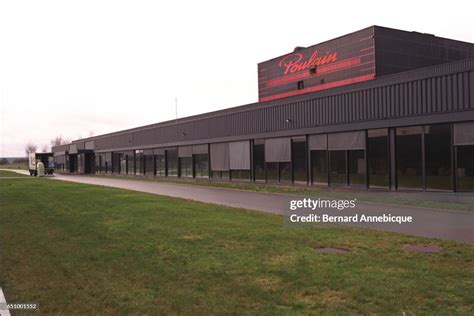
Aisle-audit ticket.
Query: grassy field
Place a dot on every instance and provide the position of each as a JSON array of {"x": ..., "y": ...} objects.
[
  {"x": 6, "y": 173},
  {"x": 334, "y": 193},
  {"x": 82, "y": 249},
  {"x": 21, "y": 165}
]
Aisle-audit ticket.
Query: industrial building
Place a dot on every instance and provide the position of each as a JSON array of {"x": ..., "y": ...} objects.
[{"x": 377, "y": 108}]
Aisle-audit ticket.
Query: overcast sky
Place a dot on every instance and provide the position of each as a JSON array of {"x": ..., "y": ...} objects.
[{"x": 72, "y": 68}]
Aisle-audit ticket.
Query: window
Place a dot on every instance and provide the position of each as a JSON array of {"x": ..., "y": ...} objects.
[
  {"x": 160, "y": 162},
  {"x": 130, "y": 163},
  {"x": 240, "y": 175},
  {"x": 377, "y": 152},
  {"x": 300, "y": 85},
  {"x": 115, "y": 162},
  {"x": 465, "y": 168},
  {"x": 172, "y": 163},
  {"x": 139, "y": 162},
  {"x": 272, "y": 171},
  {"x": 123, "y": 164},
  {"x": 220, "y": 175},
  {"x": 299, "y": 160},
  {"x": 149, "y": 164},
  {"x": 186, "y": 167},
  {"x": 319, "y": 166},
  {"x": 285, "y": 171},
  {"x": 337, "y": 169},
  {"x": 357, "y": 176},
  {"x": 438, "y": 156},
  {"x": 259, "y": 160},
  {"x": 201, "y": 165},
  {"x": 409, "y": 157}
]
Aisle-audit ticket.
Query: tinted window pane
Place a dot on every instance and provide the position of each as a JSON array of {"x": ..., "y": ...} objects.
[
  {"x": 139, "y": 166},
  {"x": 285, "y": 171},
  {"x": 160, "y": 165},
  {"x": 149, "y": 165},
  {"x": 272, "y": 171},
  {"x": 410, "y": 174},
  {"x": 378, "y": 158},
  {"x": 299, "y": 161},
  {"x": 240, "y": 175},
  {"x": 259, "y": 161},
  {"x": 130, "y": 164},
  {"x": 172, "y": 163},
  {"x": 123, "y": 164},
  {"x": 357, "y": 168},
  {"x": 319, "y": 166},
  {"x": 185, "y": 165},
  {"x": 337, "y": 171},
  {"x": 201, "y": 166},
  {"x": 465, "y": 168},
  {"x": 438, "y": 156}
]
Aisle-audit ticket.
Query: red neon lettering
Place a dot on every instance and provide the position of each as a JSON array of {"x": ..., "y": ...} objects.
[{"x": 292, "y": 62}]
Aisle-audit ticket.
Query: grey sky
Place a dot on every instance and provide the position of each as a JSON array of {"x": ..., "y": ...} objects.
[{"x": 71, "y": 67}]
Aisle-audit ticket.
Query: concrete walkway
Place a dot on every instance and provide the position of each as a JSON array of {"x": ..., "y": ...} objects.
[{"x": 433, "y": 223}]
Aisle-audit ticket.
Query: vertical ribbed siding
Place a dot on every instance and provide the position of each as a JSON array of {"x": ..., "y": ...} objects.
[{"x": 440, "y": 94}]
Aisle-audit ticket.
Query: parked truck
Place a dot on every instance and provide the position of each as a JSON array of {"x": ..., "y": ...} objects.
[{"x": 46, "y": 158}]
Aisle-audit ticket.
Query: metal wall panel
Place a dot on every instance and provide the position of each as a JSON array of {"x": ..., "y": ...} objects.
[
  {"x": 200, "y": 149},
  {"x": 185, "y": 151},
  {"x": 318, "y": 142},
  {"x": 404, "y": 96}
]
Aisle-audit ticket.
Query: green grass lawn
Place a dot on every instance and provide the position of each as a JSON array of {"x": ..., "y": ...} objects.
[
  {"x": 20, "y": 165},
  {"x": 323, "y": 192},
  {"x": 6, "y": 173},
  {"x": 82, "y": 249}
]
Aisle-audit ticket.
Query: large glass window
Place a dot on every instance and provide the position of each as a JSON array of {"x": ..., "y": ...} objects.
[
  {"x": 139, "y": 165},
  {"x": 319, "y": 166},
  {"x": 160, "y": 165},
  {"x": 337, "y": 167},
  {"x": 98, "y": 164},
  {"x": 272, "y": 171},
  {"x": 130, "y": 163},
  {"x": 201, "y": 165},
  {"x": 299, "y": 160},
  {"x": 259, "y": 160},
  {"x": 186, "y": 166},
  {"x": 243, "y": 175},
  {"x": 149, "y": 165},
  {"x": 123, "y": 164},
  {"x": 357, "y": 176},
  {"x": 172, "y": 163},
  {"x": 377, "y": 152},
  {"x": 438, "y": 156},
  {"x": 465, "y": 168},
  {"x": 220, "y": 175},
  {"x": 409, "y": 157},
  {"x": 285, "y": 171},
  {"x": 116, "y": 162}
]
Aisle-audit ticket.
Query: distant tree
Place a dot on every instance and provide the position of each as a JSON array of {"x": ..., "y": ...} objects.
[
  {"x": 4, "y": 161},
  {"x": 45, "y": 148},
  {"x": 30, "y": 148},
  {"x": 91, "y": 133},
  {"x": 58, "y": 140}
]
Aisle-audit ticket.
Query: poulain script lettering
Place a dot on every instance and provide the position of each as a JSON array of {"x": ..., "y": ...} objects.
[{"x": 293, "y": 62}]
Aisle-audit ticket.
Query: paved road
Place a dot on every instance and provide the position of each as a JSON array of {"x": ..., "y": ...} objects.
[{"x": 433, "y": 223}]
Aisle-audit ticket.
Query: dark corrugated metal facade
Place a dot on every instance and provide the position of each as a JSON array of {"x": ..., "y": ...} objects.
[{"x": 441, "y": 94}]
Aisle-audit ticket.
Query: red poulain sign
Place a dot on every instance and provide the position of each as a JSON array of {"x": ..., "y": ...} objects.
[{"x": 292, "y": 62}]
